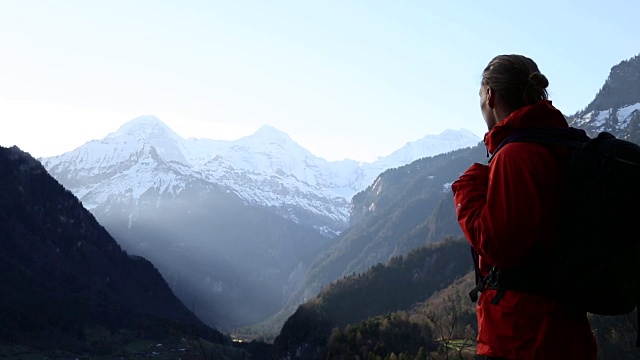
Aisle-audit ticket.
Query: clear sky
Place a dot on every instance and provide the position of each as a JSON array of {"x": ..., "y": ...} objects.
[{"x": 345, "y": 79}]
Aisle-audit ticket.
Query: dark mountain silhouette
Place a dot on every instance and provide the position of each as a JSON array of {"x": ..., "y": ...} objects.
[
  {"x": 621, "y": 87},
  {"x": 616, "y": 107},
  {"x": 63, "y": 275}
]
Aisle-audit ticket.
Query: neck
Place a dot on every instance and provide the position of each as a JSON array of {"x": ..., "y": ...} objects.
[{"x": 502, "y": 113}]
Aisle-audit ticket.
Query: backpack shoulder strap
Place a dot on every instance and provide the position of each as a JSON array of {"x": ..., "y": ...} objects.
[{"x": 546, "y": 135}]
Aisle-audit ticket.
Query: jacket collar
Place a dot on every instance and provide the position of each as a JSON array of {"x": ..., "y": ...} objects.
[{"x": 542, "y": 113}]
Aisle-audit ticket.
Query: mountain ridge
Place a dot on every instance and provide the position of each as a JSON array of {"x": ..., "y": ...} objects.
[
  {"x": 64, "y": 274},
  {"x": 620, "y": 89},
  {"x": 135, "y": 177},
  {"x": 249, "y": 166}
]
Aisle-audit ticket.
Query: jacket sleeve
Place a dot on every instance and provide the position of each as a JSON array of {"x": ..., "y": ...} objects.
[{"x": 499, "y": 206}]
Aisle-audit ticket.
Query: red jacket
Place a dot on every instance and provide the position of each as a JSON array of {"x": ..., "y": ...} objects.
[{"x": 505, "y": 209}]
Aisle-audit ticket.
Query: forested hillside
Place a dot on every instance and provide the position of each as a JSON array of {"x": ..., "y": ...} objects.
[{"x": 382, "y": 290}]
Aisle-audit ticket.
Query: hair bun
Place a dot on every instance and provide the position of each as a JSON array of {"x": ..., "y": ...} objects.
[{"x": 538, "y": 81}]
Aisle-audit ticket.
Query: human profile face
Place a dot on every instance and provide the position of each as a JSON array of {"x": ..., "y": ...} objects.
[{"x": 486, "y": 106}]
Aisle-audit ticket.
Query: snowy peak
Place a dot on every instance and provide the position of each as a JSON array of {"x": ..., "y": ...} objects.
[
  {"x": 448, "y": 138},
  {"x": 147, "y": 127},
  {"x": 269, "y": 133},
  {"x": 431, "y": 145},
  {"x": 461, "y": 134},
  {"x": 150, "y": 130},
  {"x": 269, "y": 149},
  {"x": 266, "y": 169},
  {"x": 268, "y": 139}
]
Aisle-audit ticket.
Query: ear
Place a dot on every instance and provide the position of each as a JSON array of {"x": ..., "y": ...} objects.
[{"x": 491, "y": 97}]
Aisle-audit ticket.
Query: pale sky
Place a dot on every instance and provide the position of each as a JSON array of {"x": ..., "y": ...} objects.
[{"x": 345, "y": 79}]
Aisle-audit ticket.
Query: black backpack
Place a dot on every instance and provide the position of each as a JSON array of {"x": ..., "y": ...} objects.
[{"x": 595, "y": 265}]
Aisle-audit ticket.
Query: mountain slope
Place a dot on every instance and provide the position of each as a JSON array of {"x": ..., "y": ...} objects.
[
  {"x": 232, "y": 225},
  {"x": 63, "y": 274},
  {"x": 232, "y": 264},
  {"x": 620, "y": 89},
  {"x": 404, "y": 209},
  {"x": 387, "y": 216},
  {"x": 616, "y": 107},
  {"x": 382, "y": 289},
  {"x": 265, "y": 169}
]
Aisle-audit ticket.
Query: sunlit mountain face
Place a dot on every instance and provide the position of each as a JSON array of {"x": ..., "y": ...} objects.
[{"x": 232, "y": 225}]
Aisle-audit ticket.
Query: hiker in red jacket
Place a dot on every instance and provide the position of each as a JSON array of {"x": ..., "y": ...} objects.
[{"x": 508, "y": 211}]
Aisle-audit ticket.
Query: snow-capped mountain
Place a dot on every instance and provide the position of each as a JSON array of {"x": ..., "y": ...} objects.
[
  {"x": 616, "y": 107},
  {"x": 266, "y": 169},
  {"x": 232, "y": 225},
  {"x": 613, "y": 120}
]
